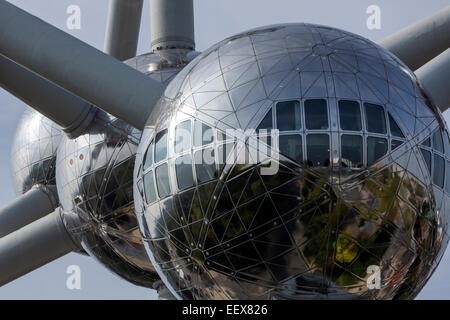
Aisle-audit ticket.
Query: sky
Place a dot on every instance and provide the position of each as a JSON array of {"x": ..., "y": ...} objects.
[{"x": 214, "y": 21}]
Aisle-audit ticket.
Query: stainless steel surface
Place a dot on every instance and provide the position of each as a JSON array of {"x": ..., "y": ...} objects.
[
  {"x": 45, "y": 97},
  {"x": 122, "y": 29},
  {"x": 33, "y": 246},
  {"x": 435, "y": 77},
  {"x": 31, "y": 206},
  {"x": 33, "y": 152},
  {"x": 95, "y": 183},
  {"x": 77, "y": 67},
  {"x": 172, "y": 25},
  {"x": 417, "y": 44},
  {"x": 318, "y": 226}
]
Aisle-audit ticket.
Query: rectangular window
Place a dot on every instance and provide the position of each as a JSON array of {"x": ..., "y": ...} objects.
[
  {"x": 438, "y": 144},
  {"x": 318, "y": 150},
  {"x": 148, "y": 158},
  {"x": 375, "y": 118},
  {"x": 316, "y": 114},
  {"x": 149, "y": 188},
  {"x": 376, "y": 149},
  {"x": 395, "y": 144},
  {"x": 203, "y": 134},
  {"x": 351, "y": 151},
  {"x": 161, "y": 146},
  {"x": 205, "y": 165},
  {"x": 427, "y": 157},
  {"x": 183, "y": 168},
  {"x": 350, "y": 115},
  {"x": 447, "y": 178},
  {"x": 183, "y": 136},
  {"x": 439, "y": 171},
  {"x": 291, "y": 146},
  {"x": 162, "y": 180},
  {"x": 288, "y": 116}
]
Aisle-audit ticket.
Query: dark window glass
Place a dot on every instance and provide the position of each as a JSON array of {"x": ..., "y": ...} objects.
[
  {"x": 205, "y": 165},
  {"x": 161, "y": 146},
  {"x": 427, "y": 143},
  {"x": 376, "y": 149},
  {"x": 350, "y": 115},
  {"x": 288, "y": 116},
  {"x": 438, "y": 144},
  {"x": 439, "y": 171},
  {"x": 162, "y": 180},
  {"x": 447, "y": 179},
  {"x": 291, "y": 146},
  {"x": 203, "y": 134},
  {"x": 149, "y": 188},
  {"x": 148, "y": 158},
  {"x": 316, "y": 114},
  {"x": 183, "y": 136},
  {"x": 266, "y": 123},
  {"x": 318, "y": 150},
  {"x": 352, "y": 151},
  {"x": 395, "y": 144},
  {"x": 395, "y": 129},
  {"x": 183, "y": 168},
  {"x": 375, "y": 119},
  {"x": 427, "y": 157}
]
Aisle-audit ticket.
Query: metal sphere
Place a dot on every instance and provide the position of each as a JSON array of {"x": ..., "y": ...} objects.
[
  {"x": 95, "y": 182},
  {"x": 33, "y": 153},
  {"x": 358, "y": 192}
]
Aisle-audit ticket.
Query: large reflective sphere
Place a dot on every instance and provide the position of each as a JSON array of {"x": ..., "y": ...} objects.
[
  {"x": 353, "y": 201},
  {"x": 33, "y": 152},
  {"x": 95, "y": 182}
]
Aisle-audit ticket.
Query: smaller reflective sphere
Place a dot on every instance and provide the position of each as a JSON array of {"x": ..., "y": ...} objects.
[{"x": 33, "y": 152}]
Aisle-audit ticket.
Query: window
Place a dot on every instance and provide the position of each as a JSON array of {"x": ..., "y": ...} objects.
[
  {"x": 352, "y": 151},
  {"x": 318, "y": 150},
  {"x": 161, "y": 146},
  {"x": 439, "y": 170},
  {"x": 162, "y": 180},
  {"x": 205, "y": 166},
  {"x": 395, "y": 129},
  {"x": 350, "y": 115},
  {"x": 375, "y": 119},
  {"x": 203, "y": 134},
  {"x": 148, "y": 158},
  {"x": 438, "y": 144},
  {"x": 376, "y": 149},
  {"x": 266, "y": 123},
  {"x": 395, "y": 144},
  {"x": 447, "y": 179},
  {"x": 149, "y": 188},
  {"x": 183, "y": 168},
  {"x": 316, "y": 114},
  {"x": 288, "y": 116},
  {"x": 183, "y": 136},
  {"x": 427, "y": 142},
  {"x": 291, "y": 146},
  {"x": 427, "y": 157}
]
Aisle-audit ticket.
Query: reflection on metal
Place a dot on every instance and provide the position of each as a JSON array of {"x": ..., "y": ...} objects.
[
  {"x": 94, "y": 174},
  {"x": 308, "y": 231},
  {"x": 33, "y": 153}
]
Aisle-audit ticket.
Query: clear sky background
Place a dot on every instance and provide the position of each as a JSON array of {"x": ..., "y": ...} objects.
[{"x": 214, "y": 20}]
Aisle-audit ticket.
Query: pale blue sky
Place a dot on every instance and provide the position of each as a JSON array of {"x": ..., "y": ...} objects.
[{"x": 215, "y": 20}]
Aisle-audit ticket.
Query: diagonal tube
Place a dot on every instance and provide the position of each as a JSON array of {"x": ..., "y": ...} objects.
[
  {"x": 77, "y": 67},
  {"x": 29, "y": 207},
  {"x": 33, "y": 246},
  {"x": 419, "y": 43},
  {"x": 71, "y": 113},
  {"x": 435, "y": 78},
  {"x": 122, "y": 29}
]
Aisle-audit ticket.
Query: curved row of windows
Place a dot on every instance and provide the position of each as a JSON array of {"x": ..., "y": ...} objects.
[{"x": 367, "y": 133}]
